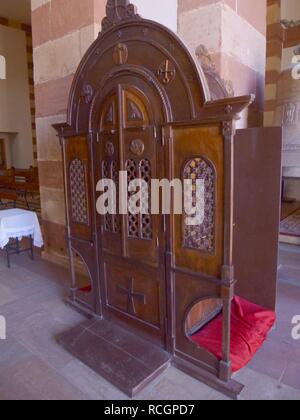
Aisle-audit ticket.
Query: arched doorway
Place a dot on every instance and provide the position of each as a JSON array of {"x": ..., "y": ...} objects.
[{"x": 129, "y": 139}]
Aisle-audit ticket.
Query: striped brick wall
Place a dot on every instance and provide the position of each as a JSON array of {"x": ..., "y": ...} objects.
[
  {"x": 28, "y": 32},
  {"x": 62, "y": 34},
  {"x": 275, "y": 39},
  {"x": 234, "y": 31}
]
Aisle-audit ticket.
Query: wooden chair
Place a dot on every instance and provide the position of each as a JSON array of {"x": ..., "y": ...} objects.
[{"x": 9, "y": 197}]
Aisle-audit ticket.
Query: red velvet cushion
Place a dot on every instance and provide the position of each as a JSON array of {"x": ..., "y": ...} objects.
[
  {"x": 250, "y": 325},
  {"x": 86, "y": 289}
]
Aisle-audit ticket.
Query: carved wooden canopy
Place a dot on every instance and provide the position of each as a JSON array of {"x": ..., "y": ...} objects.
[{"x": 129, "y": 46}]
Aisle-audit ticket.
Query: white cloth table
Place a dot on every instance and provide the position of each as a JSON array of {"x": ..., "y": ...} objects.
[{"x": 17, "y": 223}]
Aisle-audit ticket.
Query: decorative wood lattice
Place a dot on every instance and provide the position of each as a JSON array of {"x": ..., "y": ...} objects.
[
  {"x": 145, "y": 170},
  {"x": 110, "y": 170},
  {"x": 133, "y": 219},
  {"x": 139, "y": 226},
  {"x": 200, "y": 236},
  {"x": 79, "y": 206}
]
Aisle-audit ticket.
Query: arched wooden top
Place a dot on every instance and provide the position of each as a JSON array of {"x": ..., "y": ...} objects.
[{"x": 131, "y": 47}]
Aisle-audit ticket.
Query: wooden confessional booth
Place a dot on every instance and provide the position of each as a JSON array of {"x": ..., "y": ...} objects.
[{"x": 141, "y": 103}]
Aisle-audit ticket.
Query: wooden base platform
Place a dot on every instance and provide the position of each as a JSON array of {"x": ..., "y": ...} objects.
[
  {"x": 231, "y": 389},
  {"x": 125, "y": 360}
]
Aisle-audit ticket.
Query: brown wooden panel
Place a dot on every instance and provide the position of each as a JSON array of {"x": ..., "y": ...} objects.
[
  {"x": 136, "y": 112},
  {"x": 204, "y": 142},
  {"x": 109, "y": 114},
  {"x": 78, "y": 187},
  {"x": 107, "y": 165},
  {"x": 291, "y": 37},
  {"x": 202, "y": 313},
  {"x": 188, "y": 291},
  {"x": 257, "y": 213},
  {"x": 135, "y": 293},
  {"x": 142, "y": 231}
]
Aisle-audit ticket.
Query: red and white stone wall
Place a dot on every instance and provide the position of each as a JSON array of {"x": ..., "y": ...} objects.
[
  {"x": 62, "y": 32},
  {"x": 275, "y": 36},
  {"x": 234, "y": 31}
]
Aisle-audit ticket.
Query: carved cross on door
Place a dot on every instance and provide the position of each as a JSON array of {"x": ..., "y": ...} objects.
[
  {"x": 167, "y": 72},
  {"x": 120, "y": 54},
  {"x": 132, "y": 296}
]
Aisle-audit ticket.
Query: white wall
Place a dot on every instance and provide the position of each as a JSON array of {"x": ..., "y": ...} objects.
[
  {"x": 162, "y": 11},
  {"x": 15, "y": 116}
]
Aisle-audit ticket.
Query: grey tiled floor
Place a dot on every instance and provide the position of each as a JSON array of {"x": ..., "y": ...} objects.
[{"x": 34, "y": 367}]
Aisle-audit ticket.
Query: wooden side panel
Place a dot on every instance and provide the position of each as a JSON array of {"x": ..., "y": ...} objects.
[
  {"x": 189, "y": 144},
  {"x": 197, "y": 151},
  {"x": 78, "y": 181},
  {"x": 257, "y": 213}
]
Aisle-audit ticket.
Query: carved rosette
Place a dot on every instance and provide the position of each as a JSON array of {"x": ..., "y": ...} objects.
[
  {"x": 137, "y": 147},
  {"x": 109, "y": 149},
  {"x": 228, "y": 128}
]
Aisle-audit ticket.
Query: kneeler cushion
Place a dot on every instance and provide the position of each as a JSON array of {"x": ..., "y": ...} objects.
[
  {"x": 250, "y": 325},
  {"x": 86, "y": 289}
]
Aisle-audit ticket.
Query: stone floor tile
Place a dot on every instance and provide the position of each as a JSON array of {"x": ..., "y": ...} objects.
[
  {"x": 261, "y": 387},
  {"x": 7, "y": 295},
  {"x": 32, "y": 379},
  {"x": 89, "y": 383}
]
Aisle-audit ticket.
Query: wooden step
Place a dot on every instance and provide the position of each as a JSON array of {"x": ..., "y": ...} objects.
[{"x": 127, "y": 361}]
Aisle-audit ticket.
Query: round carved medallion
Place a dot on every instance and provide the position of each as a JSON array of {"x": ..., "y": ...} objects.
[
  {"x": 137, "y": 147},
  {"x": 109, "y": 148}
]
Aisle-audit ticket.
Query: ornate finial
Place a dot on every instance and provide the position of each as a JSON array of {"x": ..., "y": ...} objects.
[{"x": 117, "y": 11}]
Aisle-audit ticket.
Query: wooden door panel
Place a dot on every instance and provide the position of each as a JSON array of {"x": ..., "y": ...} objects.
[
  {"x": 133, "y": 248},
  {"x": 109, "y": 166},
  {"x": 197, "y": 150},
  {"x": 142, "y": 236},
  {"x": 134, "y": 292}
]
